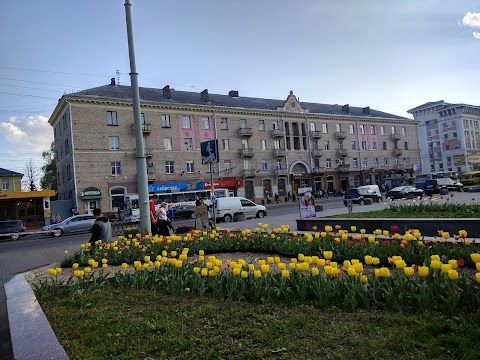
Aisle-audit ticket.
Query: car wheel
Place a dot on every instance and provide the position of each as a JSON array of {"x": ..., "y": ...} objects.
[
  {"x": 192, "y": 215},
  {"x": 15, "y": 237},
  {"x": 227, "y": 218},
  {"x": 57, "y": 232},
  {"x": 460, "y": 189},
  {"x": 260, "y": 214}
]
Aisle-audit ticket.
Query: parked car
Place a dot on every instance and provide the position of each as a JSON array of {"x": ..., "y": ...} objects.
[
  {"x": 73, "y": 225},
  {"x": 354, "y": 196},
  {"x": 12, "y": 229},
  {"x": 450, "y": 184},
  {"x": 184, "y": 212},
  {"x": 403, "y": 192},
  {"x": 431, "y": 187},
  {"x": 226, "y": 208}
]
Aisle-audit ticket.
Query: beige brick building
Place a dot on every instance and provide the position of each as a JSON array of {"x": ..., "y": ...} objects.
[{"x": 265, "y": 145}]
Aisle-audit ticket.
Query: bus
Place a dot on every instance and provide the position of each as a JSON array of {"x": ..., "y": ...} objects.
[
  {"x": 178, "y": 198},
  {"x": 421, "y": 178},
  {"x": 470, "y": 179}
]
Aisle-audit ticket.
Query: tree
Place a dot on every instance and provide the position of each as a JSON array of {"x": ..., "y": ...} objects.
[
  {"x": 49, "y": 169},
  {"x": 31, "y": 176}
]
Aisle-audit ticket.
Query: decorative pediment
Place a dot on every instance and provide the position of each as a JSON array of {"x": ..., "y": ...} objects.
[{"x": 292, "y": 105}]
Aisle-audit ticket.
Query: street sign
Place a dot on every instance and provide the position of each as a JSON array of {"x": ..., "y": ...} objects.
[{"x": 209, "y": 151}]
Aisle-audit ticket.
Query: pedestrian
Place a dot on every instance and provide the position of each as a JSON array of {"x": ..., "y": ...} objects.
[
  {"x": 101, "y": 229},
  {"x": 53, "y": 219},
  {"x": 153, "y": 218},
  {"x": 162, "y": 220},
  {"x": 58, "y": 219},
  {"x": 276, "y": 198},
  {"x": 170, "y": 216}
]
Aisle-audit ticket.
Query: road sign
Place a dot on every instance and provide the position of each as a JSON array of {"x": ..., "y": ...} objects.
[{"x": 209, "y": 151}]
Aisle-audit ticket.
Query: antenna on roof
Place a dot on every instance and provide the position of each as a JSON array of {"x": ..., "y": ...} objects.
[{"x": 118, "y": 76}]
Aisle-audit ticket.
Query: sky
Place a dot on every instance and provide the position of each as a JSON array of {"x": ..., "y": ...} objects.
[{"x": 389, "y": 55}]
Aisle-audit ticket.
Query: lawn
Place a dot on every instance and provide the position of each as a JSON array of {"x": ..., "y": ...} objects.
[{"x": 142, "y": 324}]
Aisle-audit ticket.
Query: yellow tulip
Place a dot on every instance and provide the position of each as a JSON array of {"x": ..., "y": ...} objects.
[
  {"x": 409, "y": 271},
  {"x": 400, "y": 264},
  {"x": 301, "y": 257},
  {"x": 321, "y": 262},
  {"x": 408, "y": 237},
  {"x": 75, "y": 265},
  {"x": 323, "y": 234},
  {"x": 277, "y": 259},
  {"x": 375, "y": 261},
  {"x": 145, "y": 258},
  {"x": 435, "y": 264},
  {"x": 385, "y": 272},
  {"x": 364, "y": 279},
  {"x": 423, "y": 271},
  {"x": 445, "y": 268},
  {"x": 236, "y": 271},
  {"x": 333, "y": 264},
  {"x": 285, "y": 274},
  {"x": 251, "y": 267},
  {"x": 315, "y": 271},
  {"x": 377, "y": 273},
  {"x": 204, "y": 272},
  {"x": 244, "y": 274},
  {"x": 363, "y": 231},
  {"x": 212, "y": 273},
  {"x": 346, "y": 264},
  {"x": 435, "y": 257},
  {"x": 270, "y": 260},
  {"x": 454, "y": 264},
  {"x": 281, "y": 266},
  {"x": 261, "y": 262},
  {"x": 257, "y": 274},
  {"x": 386, "y": 233},
  {"x": 477, "y": 265},
  {"x": 209, "y": 264},
  {"x": 292, "y": 265},
  {"x": 52, "y": 272},
  {"x": 104, "y": 261},
  {"x": 264, "y": 269},
  {"x": 368, "y": 260},
  {"x": 371, "y": 239},
  {"x": 358, "y": 268},
  {"x": 377, "y": 232},
  {"x": 353, "y": 228},
  {"x": 327, "y": 255},
  {"x": 475, "y": 257},
  {"x": 58, "y": 270},
  {"x": 452, "y": 274},
  {"x": 328, "y": 270},
  {"x": 351, "y": 271}
]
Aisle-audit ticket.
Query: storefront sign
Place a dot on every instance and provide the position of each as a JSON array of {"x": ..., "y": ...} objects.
[
  {"x": 174, "y": 187},
  {"x": 90, "y": 193},
  {"x": 223, "y": 183}
]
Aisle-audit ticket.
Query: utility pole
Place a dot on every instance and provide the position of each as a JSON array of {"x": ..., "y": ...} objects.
[{"x": 141, "y": 163}]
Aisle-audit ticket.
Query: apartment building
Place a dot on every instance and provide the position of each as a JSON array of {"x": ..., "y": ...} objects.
[
  {"x": 265, "y": 145},
  {"x": 449, "y": 136}
]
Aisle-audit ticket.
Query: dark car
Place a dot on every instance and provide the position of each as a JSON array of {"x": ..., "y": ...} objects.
[
  {"x": 353, "y": 196},
  {"x": 184, "y": 212},
  {"x": 12, "y": 229},
  {"x": 431, "y": 187},
  {"x": 73, "y": 225},
  {"x": 404, "y": 192}
]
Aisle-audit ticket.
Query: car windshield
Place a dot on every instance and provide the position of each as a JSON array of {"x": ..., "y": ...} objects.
[{"x": 7, "y": 224}]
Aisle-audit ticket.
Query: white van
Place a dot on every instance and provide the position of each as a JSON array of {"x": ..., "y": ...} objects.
[
  {"x": 370, "y": 191},
  {"x": 227, "y": 207}
]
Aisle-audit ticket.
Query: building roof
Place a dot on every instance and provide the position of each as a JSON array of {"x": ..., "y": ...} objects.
[
  {"x": 194, "y": 98},
  {"x": 5, "y": 172},
  {"x": 439, "y": 105}
]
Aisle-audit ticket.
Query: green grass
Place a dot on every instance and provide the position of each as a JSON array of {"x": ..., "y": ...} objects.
[{"x": 141, "y": 324}]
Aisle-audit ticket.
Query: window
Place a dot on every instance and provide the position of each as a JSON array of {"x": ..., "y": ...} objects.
[
  {"x": 351, "y": 128},
  {"x": 328, "y": 163},
  {"x": 142, "y": 118},
  {"x": 5, "y": 184},
  {"x": 112, "y": 118},
  {"x": 447, "y": 147},
  {"x": 327, "y": 145},
  {"x": 312, "y": 126},
  {"x": 116, "y": 168},
  {"x": 186, "y": 122},
  {"x": 372, "y": 130},
  {"x": 393, "y": 129},
  {"x": 364, "y": 145},
  {"x": 446, "y": 136},
  {"x": 374, "y": 145},
  {"x": 384, "y": 145},
  {"x": 166, "y": 121},
  {"x": 405, "y": 145},
  {"x": 227, "y": 164},
  {"x": 276, "y": 144},
  {"x": 65, "y": 121},
  {"x": 264, "y": 144},
  {"x": 243, "y": 123},
  {"x": 385, "y": 161},
  {"x": 261, "y": 125},
  {"x": 404, "y": 131},
  {"x": 113, "y": 143},
  {"x": 264, "y": 164},
  {"x": 167, "y": 143},
  {"x": 454, "y": 134},
  {"x": 226, "y": 144},
  {"x": 338, "y": 127},
  {"x": 190, "y": 167},
  {"x": 245, "y": 144},
  {"x": 275, "y": 125},
  {"x": 69, "y": 172},
  {"x": 355, "y": 162},
  {"x": 205, "y": 122},
  {"x": 376, "y": 162},
  {"x": 382, "y": 130},
  {"x": 224, "y": 124},
  {"x": 365, "y": 162},
  {"x": 188, "y": 142},
  {"x": 325, "y": 128},
  {"x": 169, "y": 167},
  {"x": 354, "y": 145},
  {"x": 362, "y": 129},
  {"x": 280, "y": 164}
]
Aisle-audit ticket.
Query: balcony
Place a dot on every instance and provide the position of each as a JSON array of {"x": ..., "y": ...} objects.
[
  {"x": 395, "y": 137},
  {"x": 316, "y": 153},
  {"x": 279, "y": 153},
  {"x": 246, "y": 153},
  {"x": 281, "y": 172},
  {"x": 245, "y": 132},
  {"x": 340, "y": 135},
  {"x": 146, "y": 128},
  {"x": 345, "y": 168},
  {"x": 250, "y": 173},
  {"x": 342, "y": 153},
  {"x": 397, "y": 152},
  {"x": 315, "y": 135},
  {"x": 148, "y": 153},
  {"x": 277, "y": 133},
  {"x": 318, "y": 170}
]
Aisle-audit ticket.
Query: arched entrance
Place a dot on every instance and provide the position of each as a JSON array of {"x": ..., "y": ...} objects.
[{"x": 300, "y": 174}]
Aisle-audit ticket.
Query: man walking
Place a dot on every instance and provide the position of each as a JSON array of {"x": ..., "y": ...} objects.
[
  {"x": 101, "y": 229},
  {"x": 153, "y": 216}
]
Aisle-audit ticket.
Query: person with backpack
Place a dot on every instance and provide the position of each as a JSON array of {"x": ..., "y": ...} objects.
[{"x": 101, "y": 229}]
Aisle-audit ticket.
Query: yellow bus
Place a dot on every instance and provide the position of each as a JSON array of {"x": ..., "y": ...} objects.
[{"x": 471, "y": 178}]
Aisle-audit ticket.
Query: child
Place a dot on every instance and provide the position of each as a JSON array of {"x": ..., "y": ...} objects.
[{"x": 170, "y": 216}]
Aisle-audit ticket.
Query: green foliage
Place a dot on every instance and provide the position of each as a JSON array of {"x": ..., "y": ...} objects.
[{"x": 48, "y": 179}]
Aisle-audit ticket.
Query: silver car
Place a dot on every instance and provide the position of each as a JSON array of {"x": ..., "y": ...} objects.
[{"x": 73, "y": 225}]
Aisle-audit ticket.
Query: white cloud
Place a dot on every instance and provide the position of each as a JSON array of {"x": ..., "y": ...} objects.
[
  {"x": 476, "y": 35},
  {"x": 31, "y": 134},
  {"x": 471, "y": 19}
]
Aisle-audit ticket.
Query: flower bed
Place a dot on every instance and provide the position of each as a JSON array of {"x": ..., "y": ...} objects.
[{"x": 330, "y": 267}]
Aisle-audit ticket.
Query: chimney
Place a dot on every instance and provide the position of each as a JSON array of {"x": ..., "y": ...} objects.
[
  {"x": 233, "y": 93},
  {"x": 366, "y": 110},
  {"x": 112, "y": 81},
  {"x": 166, "y": 92},
  {"x": 204, "y": 95},
  {"x": 346, "y": 108}
]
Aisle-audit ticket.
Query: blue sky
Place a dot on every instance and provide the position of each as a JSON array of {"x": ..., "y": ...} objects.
[{"x": 389, "y": 55}]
